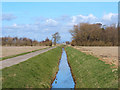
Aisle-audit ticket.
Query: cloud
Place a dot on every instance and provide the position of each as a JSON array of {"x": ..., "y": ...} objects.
[
  {"x": 32, "y": 31},
  {"x": 82, "y": 19},
  {"x": 110, "y": 18},
  {"x": 45, "y": 27},
  {"x": 51, "y": 22},
  {"x": 8, "y": 17}
]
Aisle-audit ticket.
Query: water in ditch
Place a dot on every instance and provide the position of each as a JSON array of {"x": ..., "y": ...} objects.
[{"x": 64, "y": 77}]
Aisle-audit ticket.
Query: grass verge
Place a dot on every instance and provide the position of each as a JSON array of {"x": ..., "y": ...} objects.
[
  {"x": 90, "y": 72},
  {"x": 3, "y": 58},
  {"x": 36, "y": 72}
]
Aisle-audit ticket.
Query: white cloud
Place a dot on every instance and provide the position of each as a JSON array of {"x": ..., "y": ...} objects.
[
  {"x": 51, "y": 22},
  {"x": 110, "y": 18},
  {"x": 44, "y": 27},
  {"x": 82, "y": 19},
  {"x": 15, "y": 25}
]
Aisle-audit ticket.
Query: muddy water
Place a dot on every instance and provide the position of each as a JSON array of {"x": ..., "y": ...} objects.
[{"x": 64, "y": 77}]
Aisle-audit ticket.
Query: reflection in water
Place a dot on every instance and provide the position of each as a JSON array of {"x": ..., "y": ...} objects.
[{"x": 64, "y": 77}]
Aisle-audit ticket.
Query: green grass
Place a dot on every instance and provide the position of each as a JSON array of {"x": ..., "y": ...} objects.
[
  {"x": 36, "y": 72},
  {"x": 3, "y": 58},
  {"x": 90, "y": 72}
]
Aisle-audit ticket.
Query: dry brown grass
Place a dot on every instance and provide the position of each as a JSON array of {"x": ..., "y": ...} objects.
[
  {"x": 13, "y": 50},
  {"x": 107, "y": 54}
]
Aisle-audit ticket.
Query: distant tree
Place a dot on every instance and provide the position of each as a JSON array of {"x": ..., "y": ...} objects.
[
  {"x": 47, "y": 42},
  {"x": 73, "y": 43},
  {"x": 56, "y": 37},
  {"x": 47, "y": 39},
  {"x": 10, "y": 41},
  {"x": 50, "y": 43},
  {"x": 35, "y": 43},
  {"x": 67, "y": 42},
  {"x": 15, "y": 41},
  {"x": 3, "y": 41}
]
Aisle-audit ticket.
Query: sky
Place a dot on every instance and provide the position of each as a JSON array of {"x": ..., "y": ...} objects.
[{"x": 39, "y": 20}]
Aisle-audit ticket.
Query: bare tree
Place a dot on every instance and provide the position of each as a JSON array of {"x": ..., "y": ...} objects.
[
  {"x": 56, "y": 37},
  {"x": 94, "y": 34},
  {"x": 15, "y": 41}
]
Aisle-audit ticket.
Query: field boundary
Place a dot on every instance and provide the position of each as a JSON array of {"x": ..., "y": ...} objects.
[
  {"x": 105, "y": 58},
  {"x": 18, "y": 59},
  {"x": 7, "y": 57}
]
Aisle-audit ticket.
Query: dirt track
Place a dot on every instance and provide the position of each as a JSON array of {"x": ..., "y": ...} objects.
[{"x": 107, "y": 54}]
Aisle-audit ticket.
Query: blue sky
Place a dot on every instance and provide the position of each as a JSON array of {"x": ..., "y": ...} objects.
[{"x": 38, "y": 20}]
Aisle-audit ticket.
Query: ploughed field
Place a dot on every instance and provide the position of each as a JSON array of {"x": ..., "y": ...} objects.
[
  {"x": 14, "y": 50},
  {"x": 109, "y": 54}
]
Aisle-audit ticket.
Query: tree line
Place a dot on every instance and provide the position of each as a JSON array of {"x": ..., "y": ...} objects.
[
  {"x": 85, "y": 34},
  {"x": 15, "y": 41}
]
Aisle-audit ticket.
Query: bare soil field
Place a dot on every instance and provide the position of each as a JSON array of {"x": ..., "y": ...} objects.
[
  {"x": 14, "y": 50},
  {"x": 108, "y": 54}
]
